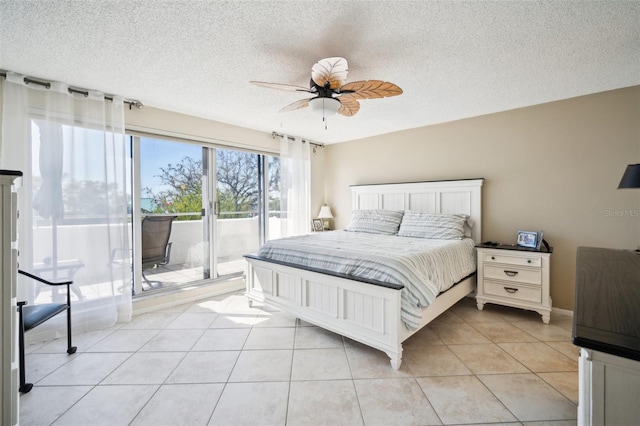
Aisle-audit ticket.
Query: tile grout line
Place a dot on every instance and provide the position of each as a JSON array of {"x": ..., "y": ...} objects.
[{"x": 478, "y": 378}]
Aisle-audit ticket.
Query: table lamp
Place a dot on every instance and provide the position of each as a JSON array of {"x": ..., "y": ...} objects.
[
  {"x": 631, "y": 177},
  {"x": 325, "y": 215}
]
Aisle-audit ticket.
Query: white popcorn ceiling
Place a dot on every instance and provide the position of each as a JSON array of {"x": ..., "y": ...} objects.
[{"x": 452, "y": 59}]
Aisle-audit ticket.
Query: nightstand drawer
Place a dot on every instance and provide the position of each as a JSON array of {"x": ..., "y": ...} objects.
[
  {"x": 511, "y": 291},
  {"x": 519, "y": 275},
  {"x": 513, "y": 260}
]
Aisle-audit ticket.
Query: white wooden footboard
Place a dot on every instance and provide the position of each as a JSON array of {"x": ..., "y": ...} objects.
[
  {"x": 366, "y": 313},
  {"x": 363, "y": 312}
]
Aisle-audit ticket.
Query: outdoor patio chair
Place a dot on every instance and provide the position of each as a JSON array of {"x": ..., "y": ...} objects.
[
  {"x": 31, "y": 316},
  {"x": 156, "y": 248}
]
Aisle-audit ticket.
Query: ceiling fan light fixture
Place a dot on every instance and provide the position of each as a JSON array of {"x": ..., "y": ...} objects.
[{"x": 325, "y": 106}]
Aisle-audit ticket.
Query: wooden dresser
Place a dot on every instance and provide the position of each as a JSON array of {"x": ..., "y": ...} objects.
[{"x": 606, "y": 326}]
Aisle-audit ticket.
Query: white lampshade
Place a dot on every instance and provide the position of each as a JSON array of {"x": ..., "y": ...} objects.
[
  {"x": 325, "y": 213},
  {"x": 324, "y": 106}
]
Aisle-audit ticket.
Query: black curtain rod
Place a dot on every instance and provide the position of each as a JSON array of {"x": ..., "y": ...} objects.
[
  {"x": 131, "y": 102},
  {"x": 291, "y": 138}
]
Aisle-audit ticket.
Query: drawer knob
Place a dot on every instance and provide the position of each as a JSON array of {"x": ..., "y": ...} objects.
[
  {"x": 493, "y": 258},
  {"x": 510, "y": 289},
  {"x": 528, "y": 260},
  {"x": 511, "y": 273}
]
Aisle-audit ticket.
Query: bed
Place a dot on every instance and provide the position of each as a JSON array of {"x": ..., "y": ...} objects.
[{"x": 364, "y": 308}]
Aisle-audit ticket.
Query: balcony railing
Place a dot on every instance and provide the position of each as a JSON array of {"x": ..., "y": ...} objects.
[{"x": 234, "y": 238}]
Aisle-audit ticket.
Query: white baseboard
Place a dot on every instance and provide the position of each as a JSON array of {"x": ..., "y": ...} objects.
[
  {"x": 163, "y": 300},
  {"x": 562, "y": 311},
  {"x": 555, "y": 310}
]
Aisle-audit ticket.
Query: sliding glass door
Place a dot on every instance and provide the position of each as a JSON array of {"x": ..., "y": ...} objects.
[
  {"x": 217, "y": 201},
  {"x": 173, "y": 186}
]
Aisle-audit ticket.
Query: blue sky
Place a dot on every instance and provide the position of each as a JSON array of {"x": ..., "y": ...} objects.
[{"x": 157, "y": 153}]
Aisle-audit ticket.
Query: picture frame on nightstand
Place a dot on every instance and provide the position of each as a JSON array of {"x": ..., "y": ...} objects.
[
  {"x": 527, "y": 239},
  {"x": 317, "y": 225},
  {"x": 540, "y": 240}
]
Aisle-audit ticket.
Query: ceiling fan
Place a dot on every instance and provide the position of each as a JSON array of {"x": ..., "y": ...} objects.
[{"x": 331, "y": 91}]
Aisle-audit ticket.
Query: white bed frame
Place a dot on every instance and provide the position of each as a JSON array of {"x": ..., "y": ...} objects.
[{"x": 367, "y": 313}]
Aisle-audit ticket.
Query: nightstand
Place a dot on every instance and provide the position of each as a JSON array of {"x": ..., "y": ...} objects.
[{"x": 514, "y": 276}]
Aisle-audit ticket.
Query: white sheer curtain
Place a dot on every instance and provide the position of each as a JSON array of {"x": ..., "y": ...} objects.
[
  {"x": 73, "y": 202},
  {"x": 295, "y": 185}
]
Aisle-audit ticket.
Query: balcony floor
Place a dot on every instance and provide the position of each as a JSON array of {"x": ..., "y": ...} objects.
[
  {"x": 172, "y": 276},
  {"x": 218, "y": 361}
]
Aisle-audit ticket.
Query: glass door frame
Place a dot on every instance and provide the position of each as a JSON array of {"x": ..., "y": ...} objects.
[
  {"x": 209, "y": 203},
  {"x": 136, "y": 216}
]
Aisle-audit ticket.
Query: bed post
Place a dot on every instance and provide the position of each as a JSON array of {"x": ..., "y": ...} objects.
[
  {"x": 396, "y": 359},
  {"x": 396, "y": 356}
]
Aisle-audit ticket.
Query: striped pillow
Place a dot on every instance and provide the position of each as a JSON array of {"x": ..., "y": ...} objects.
[
  {"x": 433, "y": 225},
  {"x": 376, "y": 221}
]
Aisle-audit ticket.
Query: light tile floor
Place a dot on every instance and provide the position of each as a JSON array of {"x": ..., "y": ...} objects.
[{"x": 219, "y": 362}]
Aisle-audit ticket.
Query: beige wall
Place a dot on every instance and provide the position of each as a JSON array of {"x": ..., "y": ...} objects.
[
  {"x": 154, "y": 120},
  {"x": 553, "y": 167},
  {"x": 1, "y": 94}
]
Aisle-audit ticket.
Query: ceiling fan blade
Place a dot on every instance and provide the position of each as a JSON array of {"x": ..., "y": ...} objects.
[
  {"x": 331, "y": 70},
  {"x": 302, "y": 103},
  {"x": 371, "y": 89},
  {"x": 349, "y": 105},
  {"x": 281, "y": 86}
]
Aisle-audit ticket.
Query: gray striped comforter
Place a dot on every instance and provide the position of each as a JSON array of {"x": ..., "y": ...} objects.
[{"x": 425, "y": 267}]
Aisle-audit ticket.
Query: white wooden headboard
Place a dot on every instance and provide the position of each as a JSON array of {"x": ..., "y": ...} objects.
[{"x": 447, "y": 196}]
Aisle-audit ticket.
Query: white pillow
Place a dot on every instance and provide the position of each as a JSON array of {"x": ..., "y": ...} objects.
[
  {"x": 376, "y": 221},
  {"x": 433, "y": 225}
]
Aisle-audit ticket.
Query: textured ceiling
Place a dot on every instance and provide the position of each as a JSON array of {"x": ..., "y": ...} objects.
[{"x": 452, "y": 59}]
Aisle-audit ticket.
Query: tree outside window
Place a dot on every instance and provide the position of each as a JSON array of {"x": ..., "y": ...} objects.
[{"x": 237, "y": 186}]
